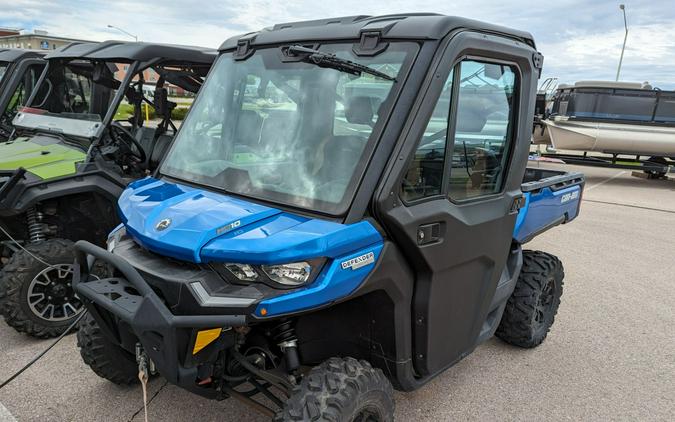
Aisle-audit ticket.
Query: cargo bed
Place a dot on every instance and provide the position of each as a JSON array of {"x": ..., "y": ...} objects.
[{"x": 552, "y": 197}]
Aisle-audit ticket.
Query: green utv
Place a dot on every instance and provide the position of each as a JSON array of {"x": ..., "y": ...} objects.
[
  {"x": 74, "y": 149},
  {"x": 19, "y": 73}
]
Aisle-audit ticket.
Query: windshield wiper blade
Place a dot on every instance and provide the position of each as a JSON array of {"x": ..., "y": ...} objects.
[{"x": 334, "y": 62}]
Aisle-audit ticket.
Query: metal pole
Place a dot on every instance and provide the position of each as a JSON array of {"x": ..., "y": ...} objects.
[
  {"x": 625, "y": 37},
  {"x": 124, "y": 32}
]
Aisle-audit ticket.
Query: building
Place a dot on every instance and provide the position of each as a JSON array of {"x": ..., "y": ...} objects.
[
  {"x": 4, "y": 32},
  {"x": 37, "y": 40}
]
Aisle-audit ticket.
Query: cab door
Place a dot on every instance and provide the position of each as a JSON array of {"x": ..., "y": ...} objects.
[{"x": 451, "y": 198}]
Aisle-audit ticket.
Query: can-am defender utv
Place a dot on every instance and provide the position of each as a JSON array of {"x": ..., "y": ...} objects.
[
  {"x": 342, "y": 211},
  {"x": 70, "y": 159},
  {"x": 19, "y": 73}
]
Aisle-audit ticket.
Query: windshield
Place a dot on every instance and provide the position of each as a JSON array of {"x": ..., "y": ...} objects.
[
  {"x": 69, "y": 100},
  {"x": 287, "y": 131}
]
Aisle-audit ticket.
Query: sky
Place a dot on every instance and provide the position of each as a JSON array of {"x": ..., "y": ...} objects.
[{"x": 580, "y": 40}]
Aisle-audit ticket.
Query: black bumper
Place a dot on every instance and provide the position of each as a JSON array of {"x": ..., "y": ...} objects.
[{"x": 128, "y": 302}]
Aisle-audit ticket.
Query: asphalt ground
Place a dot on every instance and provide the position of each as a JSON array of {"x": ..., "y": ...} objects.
[{"x": 609, "y": 356}]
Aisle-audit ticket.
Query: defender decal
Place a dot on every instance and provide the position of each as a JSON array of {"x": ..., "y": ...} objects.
[{"x": 359, "y": 261}]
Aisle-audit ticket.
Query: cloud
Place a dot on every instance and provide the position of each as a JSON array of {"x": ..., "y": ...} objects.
[{"x": 579, "y": 39}]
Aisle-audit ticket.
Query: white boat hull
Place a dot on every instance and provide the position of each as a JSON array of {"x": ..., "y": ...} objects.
[
  {"x": 540, "y": 135},
  {"x": 612, "y": 138}
]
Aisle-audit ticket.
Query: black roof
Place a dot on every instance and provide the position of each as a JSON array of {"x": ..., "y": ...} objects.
[
  {"x": 134, "y": 51},
  {"x": 411, "y": 26},
  {"x": 16, "y": 54}
]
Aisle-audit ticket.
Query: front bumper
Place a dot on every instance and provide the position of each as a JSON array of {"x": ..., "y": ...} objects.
[{"x": 128, "y": 305}]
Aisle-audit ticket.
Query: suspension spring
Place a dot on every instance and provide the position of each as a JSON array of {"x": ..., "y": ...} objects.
[
  {"x": 35, "y": 227},
  {"x": 284, "y": 335},
  {"x": 284, "y": 332}
]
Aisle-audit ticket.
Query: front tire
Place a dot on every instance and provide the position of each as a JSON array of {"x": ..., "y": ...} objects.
[
  {"x": 38, "y": 299},
  {"x": 341, "y": 390},
  {"x": 531, "y": 309},
  {"x": 107, "y": 359}
]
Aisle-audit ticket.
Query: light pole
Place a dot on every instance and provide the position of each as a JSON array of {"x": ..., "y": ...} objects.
[
  {"x": 625, "y": 37},
  {"x": 124, "y": 32}
]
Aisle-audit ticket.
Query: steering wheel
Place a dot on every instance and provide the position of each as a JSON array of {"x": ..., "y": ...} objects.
[{"x": 122, "y": 134}]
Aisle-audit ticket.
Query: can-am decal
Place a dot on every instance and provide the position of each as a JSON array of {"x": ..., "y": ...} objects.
[
  {"x": 359, "y": 261},
  {"x": 163, "y": 224},
  {"x": 569, "y": 197}
]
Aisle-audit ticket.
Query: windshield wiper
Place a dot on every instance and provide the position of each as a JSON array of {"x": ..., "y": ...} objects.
[{"x": 334, "y": 62}]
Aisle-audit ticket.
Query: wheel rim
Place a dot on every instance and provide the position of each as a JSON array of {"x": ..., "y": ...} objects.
[
  {"x": 544, "y": 304},
  {"x": 51, "y": 296},
  {"x": 368, "y": 414}
]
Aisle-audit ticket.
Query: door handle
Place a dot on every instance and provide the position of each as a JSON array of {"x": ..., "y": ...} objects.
[
  {"x": 428, "y": 233},
  {"x": 517, "y": 204}
]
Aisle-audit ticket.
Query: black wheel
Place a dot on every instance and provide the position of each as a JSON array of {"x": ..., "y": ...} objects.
[
  {"x": 531, "y": 309},
  {"x": 341, "y": 390},
  {"x": 107, "y": 359},
  {"x": 660, "y": 161},
  {"x": 36, "y": 298}
]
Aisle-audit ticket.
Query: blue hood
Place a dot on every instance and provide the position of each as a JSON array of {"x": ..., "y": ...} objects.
[{"x": 197, "y": 225}]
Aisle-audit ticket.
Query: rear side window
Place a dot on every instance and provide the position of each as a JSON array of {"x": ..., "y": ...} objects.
[{"x": 483, "y": 133}]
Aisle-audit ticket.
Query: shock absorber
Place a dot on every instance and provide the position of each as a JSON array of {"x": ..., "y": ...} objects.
[
  {"x": 35, "y": 228},
  {"x": 284, "y": 335}
]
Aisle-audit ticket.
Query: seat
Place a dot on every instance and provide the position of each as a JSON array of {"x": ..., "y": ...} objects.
[
  {"x": 359, "y": 110},
  {"x": 146, "y": 137},
  {"x": 276, "y": 125},
  {"x": 249, "y": 127},
  {"x": 160, "y": 148}
]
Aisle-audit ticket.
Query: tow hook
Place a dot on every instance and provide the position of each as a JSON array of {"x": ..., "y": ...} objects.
[
  {"x": 145, "y": 364},
  {"x": 145, "y": 367}
]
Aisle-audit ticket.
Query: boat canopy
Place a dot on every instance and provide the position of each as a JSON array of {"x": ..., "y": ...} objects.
[{"x": 615, "y": 104}]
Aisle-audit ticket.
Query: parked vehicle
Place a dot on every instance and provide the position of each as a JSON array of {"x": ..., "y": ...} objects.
[
  {"x": 615, "y": 118},
  {"x": 19, "y": 72},
  {"x": 70, "y": 159},
  {"x": 306, "y": 246}
]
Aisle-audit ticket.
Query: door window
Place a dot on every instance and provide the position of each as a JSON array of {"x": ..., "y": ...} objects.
[
  {"x": 425, "y": 174},
  {"x": 485, "y": 116}
]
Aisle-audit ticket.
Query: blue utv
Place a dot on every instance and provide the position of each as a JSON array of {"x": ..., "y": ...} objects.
[{"x": 342, "y": 213}]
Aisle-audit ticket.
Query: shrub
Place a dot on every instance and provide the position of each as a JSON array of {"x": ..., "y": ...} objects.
[{"x": 179, "y": 113}]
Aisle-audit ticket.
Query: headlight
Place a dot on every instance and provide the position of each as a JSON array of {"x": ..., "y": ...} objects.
[
  {"x": 243, "y": 272},
  {"x": 289, "y": 275},
  {"x": 294, "y": 274}
]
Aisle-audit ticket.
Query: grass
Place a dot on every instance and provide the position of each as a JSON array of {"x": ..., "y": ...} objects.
[{"x": 124, "y": 111}]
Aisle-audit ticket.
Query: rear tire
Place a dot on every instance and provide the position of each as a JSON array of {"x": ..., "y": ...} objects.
[
  {"x": 341, "y": 390},
  {"x": 107, "y": 359},
  {"x": 531, "y": 309},
  {"x": 37, "y": 299}
]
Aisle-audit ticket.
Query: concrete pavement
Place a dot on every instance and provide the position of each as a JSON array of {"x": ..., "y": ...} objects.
[{"x": 609, "y": 356}]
